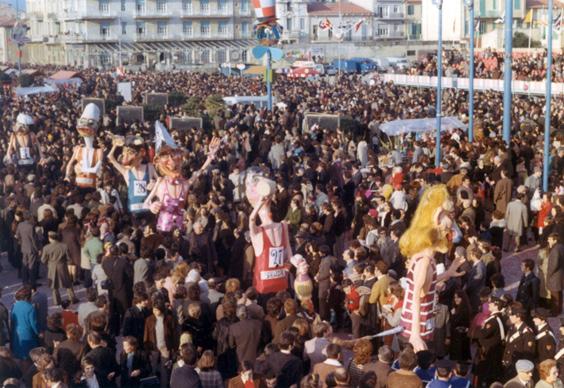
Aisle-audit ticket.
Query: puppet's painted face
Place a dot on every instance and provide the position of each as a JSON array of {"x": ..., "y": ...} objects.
[
  {"x": 169, "y": 162},
  {"x": 444, "y": 222},
  {"x": 87, "y": 127},
  {"x": 257, "y": 186},
  {"x": 132, "y": 156},
  {"x": 22, "y": 129}
]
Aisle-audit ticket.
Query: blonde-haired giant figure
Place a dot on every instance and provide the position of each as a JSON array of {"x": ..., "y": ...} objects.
[{"x": 430, "y": 232}]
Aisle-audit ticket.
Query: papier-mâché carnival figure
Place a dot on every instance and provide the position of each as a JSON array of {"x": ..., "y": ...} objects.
[
  {"x": 140, "y": 177},
  {"x": 86, "y": 160},
  {"x": 168, "y": 197},
  {"x": 430, "y": 232},
  {"x": 303, "y": 286},
  {"x": 23, "y": 147},
  {"x": 270, "y": 240}
]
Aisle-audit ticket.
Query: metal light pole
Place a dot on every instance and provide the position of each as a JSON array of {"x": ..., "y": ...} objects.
[
  {"x": 470, "y": 4},
  {"x": 507, "y": 73},
  {"x": 269, "y": 78},
  {"x": 546, "y": 156},
  {"x": 439, "y": 85}
]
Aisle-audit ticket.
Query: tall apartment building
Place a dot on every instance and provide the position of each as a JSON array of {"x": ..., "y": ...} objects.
[
  {"x": 389, "y": 17},
  {"x": 108, "y": 32}
]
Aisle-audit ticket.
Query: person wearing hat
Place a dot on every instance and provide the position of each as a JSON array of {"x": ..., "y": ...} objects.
[
  {"x": 524, "y": 378},
  {"x": 23, "y": 147},
  {"x": 490, "y": 339},
  {"x": 86, "y": 160},
  {"x": 443, "y": 373},
  {"x": 55, "y": 256},
  {"x": 545, "y": 339},
  {"x": 139, "y": 177},
  {"x": 520, "y": 340}
]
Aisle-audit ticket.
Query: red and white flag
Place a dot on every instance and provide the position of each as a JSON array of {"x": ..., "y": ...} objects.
[
  {"x": 358, "y": 24},
  {"x": 325, "y": 24}
]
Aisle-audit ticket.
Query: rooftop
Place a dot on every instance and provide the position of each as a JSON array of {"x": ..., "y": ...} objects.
[{"x": 334, "y": 9}]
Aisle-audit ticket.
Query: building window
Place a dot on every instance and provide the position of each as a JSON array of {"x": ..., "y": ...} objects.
[
  {"x": 221, "y": 6},
  {"x": 105, "y": 59},
  {"x": 330, "y": 33},
  {"x": 205, "y": 28},
  {"x": 140, "y": 5},
  {"x": 244, "y": 6},
  {"x": 494, "y": 5},
  {"x": 302, "y": 24},
  {"x": 223, "y": 28},
  {"x": 517, "y": 4},
  {"x": 289, "y": 24},
  {"x": 205, "y": 6},
  {"x": 104, "y": 5},
  {"x": 162, "y": 28},
  {"x": 187, "y": 28},
  {"x": 187, "y": 5},
  {"x": 161, "y": 5},
  {"x": 140, "y": 28},
  {"x": 105, "y": 29},
  {"x": 245, "y": 30},
  {"x": 123, "y": 5},
  {"x": 411, "y": 9},
  {"x": 205, "y": 56},
  {"x": 123, "y": 28},
  {"x": 244, "y": 56},
  {"x": 221, "y": 56}
]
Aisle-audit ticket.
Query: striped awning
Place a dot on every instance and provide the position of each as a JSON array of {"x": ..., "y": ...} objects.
[{"x": 174, "y": 46}]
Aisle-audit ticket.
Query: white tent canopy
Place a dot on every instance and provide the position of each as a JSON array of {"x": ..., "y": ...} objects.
[
  {"x": 20, "y": 91},
  {"x": 399, "y": 127}
]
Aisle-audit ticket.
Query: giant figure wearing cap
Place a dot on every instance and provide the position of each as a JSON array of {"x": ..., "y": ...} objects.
[
  {"x": 86, "y": 160},
  {"x": 23, "y": 147},
  {"x": 430, "y": 232},
  {"x": 139, "y": 177},
  {"x": 168, "y": 197},
  {"x": 270, "y": 240}
]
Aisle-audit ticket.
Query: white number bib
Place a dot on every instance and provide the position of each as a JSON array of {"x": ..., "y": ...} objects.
[
  {"x": 25, "y": 153},
  {"x": 275, "y": 257},
  {"x": 139, "y": 188}
]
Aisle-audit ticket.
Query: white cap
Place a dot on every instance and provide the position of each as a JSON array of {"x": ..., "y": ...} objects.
[
  {"x": 91, "y": 112},
  {"x": 24, "y": 119}
]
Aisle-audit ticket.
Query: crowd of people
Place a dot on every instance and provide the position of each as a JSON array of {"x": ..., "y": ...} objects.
[
  {"x": 182, "y": 303},
  {"x": 489, "y": 65}
]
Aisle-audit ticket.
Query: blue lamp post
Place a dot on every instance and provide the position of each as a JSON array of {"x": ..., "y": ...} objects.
[
  {"x": 439, "y": 4},
  {"x": 546, "y": 156},
  {"x": 470, "y": 5},
  {"x": 507, "y": 72}
]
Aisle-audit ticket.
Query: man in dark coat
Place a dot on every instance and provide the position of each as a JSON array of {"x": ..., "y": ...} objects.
[
  {"x": 134, "y": 364},
  {"x": 287, "y": 367},
  {"x": 555, "y": 273},
  {"x": 490, "y": 338},
  {"x": 520, "y": 340},
  {"x": 323, "y": 279},
  {"x": 55, "y": 256},
  {"x": 186, "y": 375},
  {"x": 545, "y": 339},
  {"x": 103, "y": 359},
  {"x": 134, "y": 318},
  {"x": 29, "y": 246},
  {"x": 502, "y": 192},
  {"x": 529, "y": 286},
  {"x": 245, "y": 336},
  {"x": 120, "y": 274}
]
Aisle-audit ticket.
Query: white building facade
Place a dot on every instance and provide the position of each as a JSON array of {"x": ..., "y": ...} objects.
[{"x": 105, "y": 33}]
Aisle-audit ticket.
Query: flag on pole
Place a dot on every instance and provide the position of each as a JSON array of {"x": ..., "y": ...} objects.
[
  {"x": 501, "y": 20},
  {"x": 325, "y": 24},
  {"x": 163, "y": 136},
  {"x": 557, "y": 23},
  {"x": 528, "y": 17},
  {"x": 477, "y": 26},
  {"x": 358, "y": 24}
]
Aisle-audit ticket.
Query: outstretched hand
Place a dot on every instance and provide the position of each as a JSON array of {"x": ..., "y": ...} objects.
[{"x": 214, "y": 147}]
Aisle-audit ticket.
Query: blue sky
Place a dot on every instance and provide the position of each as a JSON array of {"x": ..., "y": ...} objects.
[{"x": 21, "y": 3}]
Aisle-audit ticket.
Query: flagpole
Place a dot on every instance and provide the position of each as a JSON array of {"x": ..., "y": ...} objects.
[
  {"x": 470, "y": 4},
  {"x": 507, "y": 73},
  {"x": 530, "y": 29},
  {"x": 439, "y": 86},
  {"x": 339, "y": 38},
  {"x": 545, "y": 169}
]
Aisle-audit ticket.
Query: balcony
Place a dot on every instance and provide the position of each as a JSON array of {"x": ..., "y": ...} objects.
[
  {"x": 93, "y": 14},
  {"x": 183, "y": 36},
  {"x": 389, "y": 15},
  {"x": 245, "y": 12},
  {"x": 101, "y": 38},
  {"x": 489, "y": 14},
  {"x": 152, "y": 13},
  {"x": 211, "y": 12},
  {"x": 391, "y": 35}
]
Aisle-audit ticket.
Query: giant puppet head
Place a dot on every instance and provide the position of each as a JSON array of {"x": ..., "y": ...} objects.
[
  {"x": 432, "y": 224},
  {"x": 133, "y": 152},
  {"x": 170, "y": 157},
  {"x": 23, "y": 123},
  {"x": 257, "y": 187},
  {"x": 267, "y": 29},
  {"x": 89, "y": 122}
]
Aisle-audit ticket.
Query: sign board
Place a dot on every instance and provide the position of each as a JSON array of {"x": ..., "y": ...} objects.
[
  {"x": 185, "y": 123},
  {"x": 323, "y": 120},
  {"x": 158, "y": 99},
  {"x": 129, "y": 114},
  {"x": 100, "y": 102},
  {"x": 124, "y": 88}
]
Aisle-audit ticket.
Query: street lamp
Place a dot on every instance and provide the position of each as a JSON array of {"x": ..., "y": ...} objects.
[
  {"x": 507, "y": 73},
  {"x": 439, "y": 4},
  {"x": 470, "y": 5},
  {"x": 545, "y": 169}
]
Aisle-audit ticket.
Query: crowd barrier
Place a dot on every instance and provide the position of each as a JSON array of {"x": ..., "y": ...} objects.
[{"x": 517, "y": 87}]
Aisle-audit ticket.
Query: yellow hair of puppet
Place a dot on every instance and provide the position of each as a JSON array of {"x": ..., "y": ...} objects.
[{"x": 423, "y": 232}]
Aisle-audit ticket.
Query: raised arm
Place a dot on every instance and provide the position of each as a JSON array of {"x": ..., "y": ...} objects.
[
  {"x": 253, "y": 228},
  {"x": 71, "y": 163},
  {"x": 148, "y": 201},
  {"x": 117, "y": 165},
  {"x": 421, "y": 270}
]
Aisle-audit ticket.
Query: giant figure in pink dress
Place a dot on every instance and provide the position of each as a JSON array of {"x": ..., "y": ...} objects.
[
  {"x": 168, "y": 197},
  {"x": 430, "y": 231},
  {"x": 270, "y": 240}
]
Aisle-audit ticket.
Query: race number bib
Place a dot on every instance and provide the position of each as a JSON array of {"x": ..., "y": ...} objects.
[
  {"x": 275, "y": 257},
  {"x": 139, "y": 188},
  {"x": 25, "y": 153}
]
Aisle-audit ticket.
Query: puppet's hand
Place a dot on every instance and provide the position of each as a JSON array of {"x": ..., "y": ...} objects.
[
  {"x": 417, "y": 342},
  {"x": 455, "y": 265},
  {"x": 151, "y": 184},
  {"x": 156, "y": 207},
  {"x": 214, "y": 147}
]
